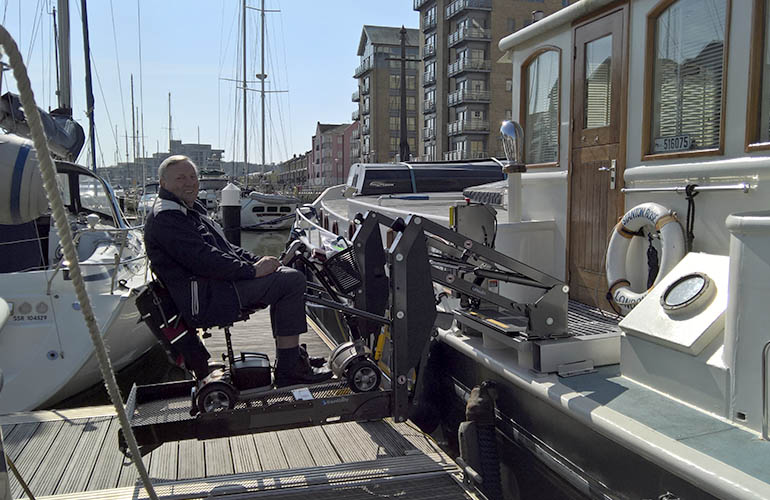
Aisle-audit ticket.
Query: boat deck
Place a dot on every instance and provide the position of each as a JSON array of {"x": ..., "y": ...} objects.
[{"x": 73, "y": 454}]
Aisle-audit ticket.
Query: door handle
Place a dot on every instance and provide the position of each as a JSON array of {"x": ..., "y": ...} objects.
[{"x": 612, "y": 170}]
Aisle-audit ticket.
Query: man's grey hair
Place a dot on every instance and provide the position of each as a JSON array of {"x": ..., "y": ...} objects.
[{"x": 171, "y": 160}]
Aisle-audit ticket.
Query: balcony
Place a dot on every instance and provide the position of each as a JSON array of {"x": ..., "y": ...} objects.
[
  {"x": 467, "y": 96},
  {"x": 355, "y": 115},
  {"x": 365, "y": 90},
  {"x": 428, "y": 51},
  {"x": 429, "y": 106},
  {"x": 468, "y": 126},
  {"x": 365, "y": 109},
  {"x": 460, "y": 154},
  {"x": 469, "y": 34},
  {"x": 355, "y": 134},
  {"x": 458, "y": 6},
  {"x": 428, "y": 133},
  {"x": 428, "y": 79},
  {"x": 428, "y": 23},
  {"x": 462, "y": 65},
  {"x": 365, "y": 130},
  {"x": 356, "y": 96},
  {"x": 419, "y": 3},
  {"x": 363, "y": 68}
]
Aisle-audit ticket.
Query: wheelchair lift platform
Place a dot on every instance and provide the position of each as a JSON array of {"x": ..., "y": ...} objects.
[{"x": 161, "y": 412}]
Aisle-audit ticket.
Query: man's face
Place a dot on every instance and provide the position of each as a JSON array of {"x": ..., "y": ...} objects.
[{"x": 182, "y": 180}]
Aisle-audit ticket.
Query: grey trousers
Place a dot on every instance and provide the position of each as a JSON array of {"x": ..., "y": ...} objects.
[{"x": 284, "y": 292}]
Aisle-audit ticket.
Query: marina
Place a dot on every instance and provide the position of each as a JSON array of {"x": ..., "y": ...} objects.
[
  {"x": 572, "y": 304},
  {"x": 73, "y": 454}
]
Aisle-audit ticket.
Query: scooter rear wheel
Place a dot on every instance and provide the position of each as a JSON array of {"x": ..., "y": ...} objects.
[
  {"x": 363, "y": 376},
  {"x": 216, "y": 396}
]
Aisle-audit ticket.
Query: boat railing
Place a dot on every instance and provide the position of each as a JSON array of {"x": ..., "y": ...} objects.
[
  {"x": 117, "y": 262},
  {"x": 741, "y": 186},
  {"x": 765, "y": 418}
]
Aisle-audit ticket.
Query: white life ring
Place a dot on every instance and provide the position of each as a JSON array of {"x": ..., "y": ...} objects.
[{"x": 654, "y": 217}]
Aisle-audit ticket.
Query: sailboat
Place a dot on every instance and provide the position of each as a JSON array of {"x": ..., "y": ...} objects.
[{"x": 46, "y": 353}]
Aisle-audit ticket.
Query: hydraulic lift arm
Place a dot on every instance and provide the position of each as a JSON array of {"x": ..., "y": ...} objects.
[{"x": 454, "y": 257}]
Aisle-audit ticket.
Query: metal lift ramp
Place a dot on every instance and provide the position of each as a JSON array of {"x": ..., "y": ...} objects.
[{"x": 161, "y": 412}]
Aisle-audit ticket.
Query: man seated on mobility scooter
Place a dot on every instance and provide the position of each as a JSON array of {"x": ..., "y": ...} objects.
[{"x": 214, "y": 283}]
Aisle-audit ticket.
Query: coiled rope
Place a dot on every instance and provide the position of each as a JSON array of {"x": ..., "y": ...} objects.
[{"x": 48, "y": 173}]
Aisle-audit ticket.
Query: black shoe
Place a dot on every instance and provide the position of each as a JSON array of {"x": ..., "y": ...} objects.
[
  {"x": 300, "y": 374},
  {"x": 315, "y": 361}
]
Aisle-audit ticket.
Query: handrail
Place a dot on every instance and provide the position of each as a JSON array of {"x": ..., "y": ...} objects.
[
  {"x": 742, "y": 186},
  {"x": 765, "y": 352}
]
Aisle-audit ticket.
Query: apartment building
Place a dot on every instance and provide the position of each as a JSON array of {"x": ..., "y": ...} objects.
[
  {"x": 466, "y": 93},
  {"x": 329, "y": 155},
  {"x": 293, "y": 172},
  {"x": 379, "y": 90}
]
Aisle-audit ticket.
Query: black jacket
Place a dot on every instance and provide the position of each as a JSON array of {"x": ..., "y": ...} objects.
[{"x": 190, "y": 255}]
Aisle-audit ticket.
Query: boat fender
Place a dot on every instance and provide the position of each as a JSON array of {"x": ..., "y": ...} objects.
[
  {"x": 656, "y": 218},
  {"x": 22, "y": 194},
  {"x": 477, "y": 439}
]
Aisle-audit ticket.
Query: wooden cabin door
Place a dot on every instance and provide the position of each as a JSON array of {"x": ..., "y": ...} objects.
[{"x": 597, "y": 156}]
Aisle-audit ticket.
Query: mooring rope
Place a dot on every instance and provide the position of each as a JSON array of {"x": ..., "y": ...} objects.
[{"x": 48, "y": 173}]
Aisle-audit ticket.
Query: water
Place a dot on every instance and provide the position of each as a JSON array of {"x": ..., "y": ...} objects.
[
  {"x": 154, "y": 366},
  {"x": 265, "y": 242}
]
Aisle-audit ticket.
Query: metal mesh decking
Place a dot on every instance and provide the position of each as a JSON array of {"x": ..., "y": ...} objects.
[{"x": 583, "y": 319}]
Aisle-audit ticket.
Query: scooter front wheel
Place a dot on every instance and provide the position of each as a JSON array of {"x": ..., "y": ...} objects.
[
  {"x": 363, "y": 376},
  {"x": 216, "y": 396}
]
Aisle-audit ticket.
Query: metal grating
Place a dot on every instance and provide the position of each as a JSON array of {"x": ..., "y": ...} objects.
[
  {"x": 436, "y": 487},
  {"x": 328, "y": 390},
  {"x": 178, "y": 409},
  {"x": 583, "y": 319}
]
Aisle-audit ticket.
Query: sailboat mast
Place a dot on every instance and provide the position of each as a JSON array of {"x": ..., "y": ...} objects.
[
  {"x": 133, "y": 122},
  {"x": 65, "y": 76},
  {"x": 245, "y": 134},
  {"x": 169, "y": 121},
  {"x": 262, "y": 79},
  {"x": 89, "y": 86}
]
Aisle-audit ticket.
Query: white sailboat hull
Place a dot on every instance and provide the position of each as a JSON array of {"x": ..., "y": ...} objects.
[{"x": 47, "y": 357}]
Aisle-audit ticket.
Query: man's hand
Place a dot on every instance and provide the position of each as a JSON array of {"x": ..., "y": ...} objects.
[{"x": 266, "y": 265}]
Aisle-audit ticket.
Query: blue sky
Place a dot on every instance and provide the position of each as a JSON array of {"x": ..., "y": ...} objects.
[{"x": 187, "y": 47}]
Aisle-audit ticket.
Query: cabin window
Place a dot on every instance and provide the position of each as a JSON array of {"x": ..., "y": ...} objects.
[
  {"x": 540, "y": 107},
  {"x": 272, "y": 209},
  {"x": 687, "y": 38},
  {"x": 258, "y": 210},
  {"x": 758, "y": 117},
  {"x": 285, "y": 210}
]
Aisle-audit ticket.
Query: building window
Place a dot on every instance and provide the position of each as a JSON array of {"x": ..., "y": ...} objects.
[
  {"x": 687, "y": 81},
  {"x": 411, "y": 123},
  {"x": 411, "y": 82},
  {"x": 540, "y": 96},
  {"x": 508, "y": 85},
  {"x": 758, "y": 118},
  {"x": 394, "y": 103},
  {"x": 394, "y": 142},
  {"x": 394, "y": 123},
  {"x": 511, "y": 24},
  {"x": 395, "y": 81},
  {"x": 411, "y": 103}
]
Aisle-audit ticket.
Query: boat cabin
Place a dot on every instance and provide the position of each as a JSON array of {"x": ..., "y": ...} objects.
[
  {"x": 389, "y": 178},
  {"x": 624, "y": 104}
]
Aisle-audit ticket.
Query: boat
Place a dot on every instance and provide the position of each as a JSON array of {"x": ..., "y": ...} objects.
[
  {"x": 210, "y": 184},
  {"x": 397, "y": 188},
  {"x": 45, "y": 350},
  {"x": 637, "y": 190},
  {"x": 149, "y": 194},
  {"x": 267, "y": 211}
]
